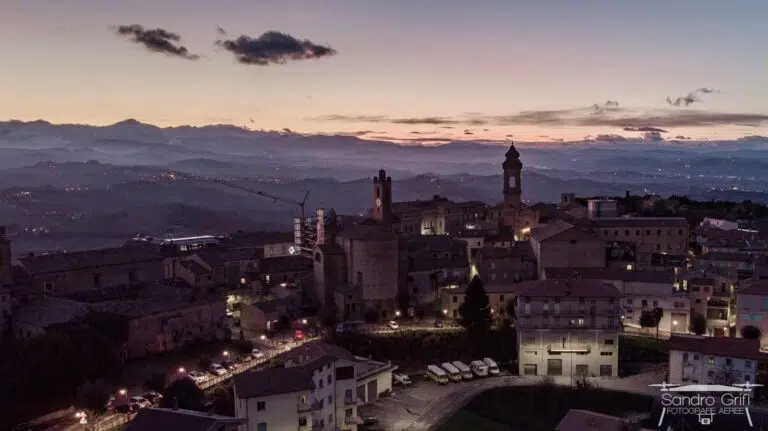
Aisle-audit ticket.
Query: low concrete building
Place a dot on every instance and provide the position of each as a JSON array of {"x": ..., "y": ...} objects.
[
  {"x": 159, "y": 419},
  {"x": 568, "y": 328},
  {"x": 712, "y": 299},
  {"x": 707, "y": 360},
  {"x": 318, "y": 387}
]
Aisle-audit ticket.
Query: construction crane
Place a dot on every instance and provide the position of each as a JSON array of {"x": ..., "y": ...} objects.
[{"x": 274, "y": 198}]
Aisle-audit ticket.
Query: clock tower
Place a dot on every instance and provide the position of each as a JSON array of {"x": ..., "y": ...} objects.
[
  {"x": 382, "y": 198},
  {"x": 512, "y": 189}
]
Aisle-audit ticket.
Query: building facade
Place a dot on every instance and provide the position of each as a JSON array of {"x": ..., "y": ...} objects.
[
  {"x": 568, "y": 328},
  {"x": 706, "y": 360}
]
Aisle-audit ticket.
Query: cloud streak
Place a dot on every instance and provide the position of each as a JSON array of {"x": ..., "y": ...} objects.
[
  {"x": 273, "y": 48},
  {"x": 156, "y": 40},
  {"x": 620, "y": 118},
  {"x": 690, "y": 98}
]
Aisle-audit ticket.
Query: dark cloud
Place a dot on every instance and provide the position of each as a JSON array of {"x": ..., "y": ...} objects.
[
  {"x": 274, "y": 47},
  {"x": 468, "y": 132},
  {"x": 689, "y": 98},
  {"x": 608, "y": 106},
  {"x": 612, "y": 103},
  {"x": 156, "y": 40},
  {"x": 608, "y": 138},
  {"x": 652, "y": 136},
  {"x": 681, "y": 138},
  {"x": 582, "y": 117},
  {"x": 447, "y": 127},
  {"x": 220, "y": 31},
  {"x": 644, "y": 129},
  {"x": 287, "y": 130}
]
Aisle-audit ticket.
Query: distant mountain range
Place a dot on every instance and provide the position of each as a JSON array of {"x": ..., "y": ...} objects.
[{"x": 75, "y": 181}]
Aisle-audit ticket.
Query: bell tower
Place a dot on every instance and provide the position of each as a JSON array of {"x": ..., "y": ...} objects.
[
  {"x": 512, "y": 169},
  {"x": 382, "y": 198}
]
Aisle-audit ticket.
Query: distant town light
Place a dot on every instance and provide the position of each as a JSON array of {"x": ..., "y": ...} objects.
[{"x": 629, "y": 267}]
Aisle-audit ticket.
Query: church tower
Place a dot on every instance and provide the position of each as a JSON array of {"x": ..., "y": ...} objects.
[
  {"x": 382, "y": 198},
  {"x": 512, "y": 188},
  {"x": 5, "y": 259}
]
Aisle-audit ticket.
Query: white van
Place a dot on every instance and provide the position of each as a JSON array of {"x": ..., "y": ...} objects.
[
  {"x": 493, "y": 368},
  {"x": 453, "y": 373},
  {"x": 437, "y": 374},
  {"x": 479, "y": 368},
  {"x": 466, "y": 373}
]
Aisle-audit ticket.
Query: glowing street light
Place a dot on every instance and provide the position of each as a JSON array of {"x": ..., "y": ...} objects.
[
  {"x": 674, "y": 323},
  {"x": 225, "y": 353},
  {"x": 263, "y": 337},
  {"x": 303, "y": 321},
  {"x": 445, "y": 311},
  {"x": 122, "y": 392},
  {"x": 182, "y": 370},
  {"x": 397, "y": 313},
  {"x": 82, "y": 416}
]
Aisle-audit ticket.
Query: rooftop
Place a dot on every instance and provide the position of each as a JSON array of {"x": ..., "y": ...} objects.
[
  {"x": 554, "y": 288},
  {"x": 48, "y": 311},
  {"x": 271, "y": 381},
  {"x": 158, "y": 419},
  {"x": 584, "y": 420},
  {"x": 368, "y": 232},
  {"x": 759, "y": 287},
  {"x": 718, "y": 346},
  {"x": 257, "y": 239},
  {"x": 63, "y": 262},
  {"x": 638, "y": 222},
  {"x": 639, "y": 276},
  {"x": 729, "y": 257},
  {"x": 511, "y": 288},
  {"x": 297, "y": 263}
]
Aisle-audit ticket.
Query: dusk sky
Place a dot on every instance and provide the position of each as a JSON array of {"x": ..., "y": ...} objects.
[{"x": 394, "y": 67}]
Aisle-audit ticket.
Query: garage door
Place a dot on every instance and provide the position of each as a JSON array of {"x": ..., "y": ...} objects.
[
  {"x": 554, "y": 367},
  {"x": 361, "y": 393},
  {"x": 529, "y": 369},
  {"x": 373, "y": 391}
]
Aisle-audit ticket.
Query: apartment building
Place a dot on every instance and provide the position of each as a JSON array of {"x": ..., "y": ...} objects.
[
  {"x": 568, "y": 328},
  {"x": 506, "y": 264},
  {"x": 752, "y": 308},
  {"x": 711, "y": 297},
  {"x": 318, "y": 388},
  {"x": 707, "y": 360},
  {"x": 563, "y": 245},
  {"x": 642, "y": 290}
]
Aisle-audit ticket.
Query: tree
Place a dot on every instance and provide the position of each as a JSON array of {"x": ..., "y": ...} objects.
[
  {"x": 658, "y": 314},
  {"x": 475, "y": 311},
  {"x": 510, "y": 309},
  {"x": 93, "y": 396},
  {"x": 647, "y": 319},
  {"x": 243, "y": 347},
  {"x": 223, "y": 400},
  {"x": 751, "y": 332},
  {"x": 184, "y": 394},
  {"x": 475, "y": 315},
  {"x": 156, "y": 382},
  {"x": 699, "y": 324}
]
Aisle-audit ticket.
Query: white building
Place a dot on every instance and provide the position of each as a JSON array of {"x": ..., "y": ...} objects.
[
  {"x": 713, "y": 360},
  {"x": 752, "y": 308},
  {"x": 568, "y": 328},
  {"x": 642, "y": 290},
  {"x": 318, "y": 388}
]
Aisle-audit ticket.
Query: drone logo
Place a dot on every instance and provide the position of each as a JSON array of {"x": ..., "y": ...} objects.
[{"x": 705, "y": 401}]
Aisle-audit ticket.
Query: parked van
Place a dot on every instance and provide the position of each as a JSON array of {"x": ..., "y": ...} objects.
[
  {"x": 493, "y": 367},
  {"x": 479, "y": 368},
  {"x": 466, "y": 373},
  {"x": 453, "y": 373},
  {"x": 437, "y": 374}
]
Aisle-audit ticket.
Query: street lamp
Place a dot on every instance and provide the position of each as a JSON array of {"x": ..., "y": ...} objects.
[
  {"x": 182, "y": 370},
  {"x": 445, "y": 311},
  {"x": 122, "y": 392},
  {"x": 397, "y": 313},
  {"x": 225, "y": 353},
  {"x": 262, "y": 337},
  {"x": 303, "y": 321}
]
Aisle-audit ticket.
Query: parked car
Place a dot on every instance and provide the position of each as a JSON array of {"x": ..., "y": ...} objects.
[
  {"x": 229, "y": 364},
  {"x": 197, "y": 376},
  {"x": 126, "y": 408},
  {"x": 140, "y": 401},
  {"x": 217, "y": 370},
  {"x": 257, "y": 354},
  {"x": 393, "y": 325},
  {"x": 152, "y": 396},
  {"x": 401, "y": 379},
  {"x": 298, "y": 335},
  {"x": 439, "y": 324}
]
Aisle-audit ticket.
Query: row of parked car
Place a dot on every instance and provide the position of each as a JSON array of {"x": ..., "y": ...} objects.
[
  {"x": 224, "y": 367},
  {"x": 457, "y": 371},
  {"x": 134, "y": 403}
]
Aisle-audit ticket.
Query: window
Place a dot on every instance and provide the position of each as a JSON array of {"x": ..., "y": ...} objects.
[
  {"x": 645, "y": 303},
  {"x": 606, "y": 353},
  {"x": 330, "y": 379},
  {"x": 261, "y": 427},
  {"x": 321, "y": 383},
  {"x": 303, "y": 421},
  {"x": 348, "y": 413},
  {"x": 322, "y": 402},
  {"x": 711, "y": 359},
  {"x": 629, "y": 301},
  {"x": 261, "y": 406},
  {"x": 747, "y": 364},
  {"x": 685, "y": 356},
  {"x": 710, "y": 373},
  {"x": 655, "y": 303},
  {"x": 330, "y": 418},
  {"x": 606, "y": 370},
  {"x": 501, "y": 297},
  {"x": 728, "y": 362},
  {"x": 455, "y": 299},
  {"x": 48, "y": 286},
  {"x": 658, "y": 232},
  {"x": 302, "y": 399},
  {"x": 330, "y": 399},
  {"x": 132, "y": 276},
  {"x": 637, "y": 232},
  {"x": 695, "y": 356},
  {"x": 609, "y": 341},
  {"x": 96, "y": 280}
]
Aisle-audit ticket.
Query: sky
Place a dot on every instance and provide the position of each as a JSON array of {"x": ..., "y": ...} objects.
[{"x": 415, "y": 70}]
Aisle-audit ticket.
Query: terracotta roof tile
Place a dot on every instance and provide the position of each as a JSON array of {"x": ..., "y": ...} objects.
[{"x": 554, "y": 288}]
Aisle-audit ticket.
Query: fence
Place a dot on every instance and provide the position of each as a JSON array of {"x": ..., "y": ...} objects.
[{"x": 113, "y": 421}]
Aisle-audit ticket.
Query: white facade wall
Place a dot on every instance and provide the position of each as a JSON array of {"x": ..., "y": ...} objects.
[{"x": 693, "y": 367}]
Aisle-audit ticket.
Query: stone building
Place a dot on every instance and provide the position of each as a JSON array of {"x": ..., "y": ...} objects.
[
  {"x": 568, "y": 328},
  {"x": 428, "y": 263},
  {"x": 514, "y": 263},
  {"x": 563, "y": 245}
]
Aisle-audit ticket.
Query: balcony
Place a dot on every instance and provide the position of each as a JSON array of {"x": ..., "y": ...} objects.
[
  {"x": 575, "y": 348},
  {"x": 308, "y": 407},
  {"x": 352, "y": 401},
  {"x": 353, "y": 420},
  {"x": 608, "y": 326}
]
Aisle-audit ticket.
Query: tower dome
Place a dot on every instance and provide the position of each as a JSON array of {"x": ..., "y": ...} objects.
[{"x": 512, "y": 158}]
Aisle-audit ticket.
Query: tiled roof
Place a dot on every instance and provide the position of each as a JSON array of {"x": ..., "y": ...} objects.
[
  {"x": 161, "y": 303},
  {"x": 512, "y": 288},
  {"x": 216, "y": 255},
  {"x": 574, "y": 234},
  {"x": 257, "y": 239},
  {"x": 702, "y": 281},
  {"x": 724, "y": 256},
  {"x": 157, "y": 419},
  {"x": 638, "y": 222},
  {"x": 278, "y": 264},
  {"x": 272, "y": 381},
  {"x": 62, "y": 262},
  {"x": 521, "y": 249},
  {"x": 554, "y": 288},
  {"x": 540, "y": 233},
  {"x": 640, "y": 276},
  {"x": 759, "y": 287},
  {"x": 194, "y": 267},
  {"x": 48, "y": 311},
  {"x": 314, "y": 350},
  {"x": 718, "y": 346}
]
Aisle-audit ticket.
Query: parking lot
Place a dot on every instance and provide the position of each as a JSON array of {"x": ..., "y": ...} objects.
[{"x": 425, "y": 403}]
